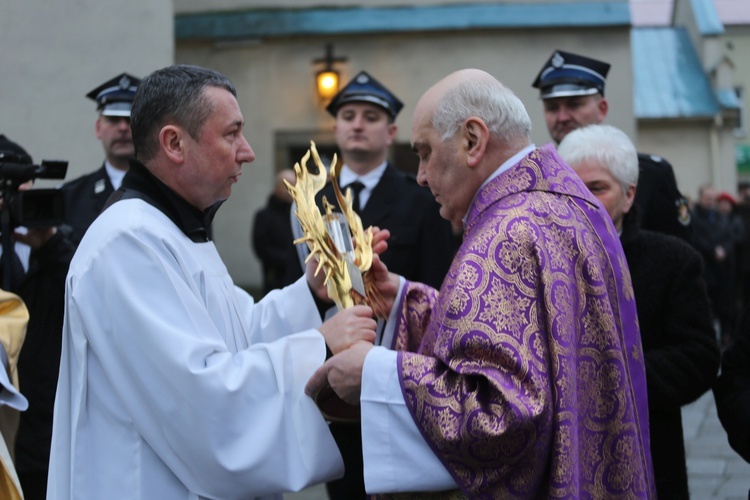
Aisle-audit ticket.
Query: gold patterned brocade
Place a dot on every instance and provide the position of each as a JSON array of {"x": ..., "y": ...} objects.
[{"x": 529, "y": 379}]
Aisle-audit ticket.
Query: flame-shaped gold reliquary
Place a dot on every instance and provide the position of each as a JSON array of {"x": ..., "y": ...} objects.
[{"x": 337, "y": 240}]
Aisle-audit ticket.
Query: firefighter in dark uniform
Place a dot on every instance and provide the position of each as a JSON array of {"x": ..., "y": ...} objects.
[
  {"x": 571, "y": 87},
  {"x": 85, "y": 196}
]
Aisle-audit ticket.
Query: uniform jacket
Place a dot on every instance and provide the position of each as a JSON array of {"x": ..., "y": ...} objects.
[
  {"x": 679, "y": 342},
  {"x": 84, "y": 200},
  {"x": 661, "y": 206}
]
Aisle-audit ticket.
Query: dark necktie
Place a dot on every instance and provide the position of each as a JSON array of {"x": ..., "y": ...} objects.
[
  {"x": 16, "y": 272},
  {"x": 356, "y": 188}
]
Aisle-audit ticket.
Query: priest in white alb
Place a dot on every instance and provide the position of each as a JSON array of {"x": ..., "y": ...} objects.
[{"x": 173, "y": 383}]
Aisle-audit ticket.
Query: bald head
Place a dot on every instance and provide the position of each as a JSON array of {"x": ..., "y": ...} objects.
[
  {"x": 475, "y": 93},
  {"x": 464, "y": 127},
  {"x": 435, "y": 93}
]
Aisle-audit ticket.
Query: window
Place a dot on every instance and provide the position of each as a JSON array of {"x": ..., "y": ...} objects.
[
  {"x": 291, "y": 146},
  {"x": 741, "y": 130}
]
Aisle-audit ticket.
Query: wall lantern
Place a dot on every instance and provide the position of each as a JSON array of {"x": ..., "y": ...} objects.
[{"x": 327, "y": 79}]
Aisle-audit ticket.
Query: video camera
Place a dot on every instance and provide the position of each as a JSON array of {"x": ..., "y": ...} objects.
[{"x": 33, "y": 207}]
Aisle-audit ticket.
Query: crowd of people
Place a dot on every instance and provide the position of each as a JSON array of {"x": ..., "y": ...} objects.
[
  {"x": 721, "y": 230},
  {"x": 550, "y": 308}
]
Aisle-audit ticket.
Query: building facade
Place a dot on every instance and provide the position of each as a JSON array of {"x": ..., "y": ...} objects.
[{"x": 269, "y": 49}]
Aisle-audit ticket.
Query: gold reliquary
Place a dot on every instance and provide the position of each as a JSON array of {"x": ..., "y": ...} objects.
[
  {"x": 343, "y": 250},
  {"x": 336, "y": 240}
]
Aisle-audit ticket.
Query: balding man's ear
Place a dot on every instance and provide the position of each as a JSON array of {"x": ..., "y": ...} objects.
[
  {"x": 477, "y": 137},
  {"x": 171, "y": 142}
]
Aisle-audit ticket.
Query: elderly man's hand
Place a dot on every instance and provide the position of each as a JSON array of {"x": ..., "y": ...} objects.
[
  {"x": 385, "y": 282},
  {"x": 348, "y": 327},
  {"x": 343, "y": 372}
]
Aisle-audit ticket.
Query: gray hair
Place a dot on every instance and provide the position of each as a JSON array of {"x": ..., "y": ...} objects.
[
  {"x": 172, "y": 95},
  {"x": 610, "y": 147},
  {"x": 491, "y": 101}
]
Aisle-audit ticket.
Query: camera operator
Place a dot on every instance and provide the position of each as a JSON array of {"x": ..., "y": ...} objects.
[{"x": 41, "y": 257}]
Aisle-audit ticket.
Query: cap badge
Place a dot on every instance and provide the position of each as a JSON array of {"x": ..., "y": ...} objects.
[
  {"x": 683, "y": 211},
  {"x": 656, "y": 159},
  {"x": 557, "y": 60},
  {"x": 362, "y": 79},
  {"x": 124, "y": 83}
]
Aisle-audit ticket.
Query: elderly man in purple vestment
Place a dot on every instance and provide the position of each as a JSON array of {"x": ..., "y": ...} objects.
[{"x": 523, "y": 377}]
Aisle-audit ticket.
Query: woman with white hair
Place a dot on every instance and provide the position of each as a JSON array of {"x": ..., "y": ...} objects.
[
  {"x": 607, "y": 161},
  {"x": 674, "y": 313}
]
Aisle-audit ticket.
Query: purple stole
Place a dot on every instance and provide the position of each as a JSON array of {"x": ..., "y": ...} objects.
[{"x": 525, "y": 374}]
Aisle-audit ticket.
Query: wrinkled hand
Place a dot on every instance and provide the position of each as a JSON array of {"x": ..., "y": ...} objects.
[
  {"x": 343, "y": 372},
  {"x": 348, "y": 327},
  {"x": 36, "y": 237},
  {"x": 385, "y": 282}
]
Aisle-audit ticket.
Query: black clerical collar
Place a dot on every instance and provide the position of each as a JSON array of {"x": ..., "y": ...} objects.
[{"x": 140, "y": 183}]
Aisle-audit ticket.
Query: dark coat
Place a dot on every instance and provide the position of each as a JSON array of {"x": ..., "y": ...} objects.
[
  {"x": 711, "y": 229},
  {"x": 272, "y": 241},
  {"x": 732, "y": 389},
  {"x": 679, "y": 342},
  {"x": 43, "y": 291},
  {"x": 661, "y": 206},
  {"x": 743, "y": 258},
  {"x": 84, "y": 199},
  {"x": 420, "y": 247}
]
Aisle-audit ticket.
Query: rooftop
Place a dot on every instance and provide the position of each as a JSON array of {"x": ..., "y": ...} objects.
[
  {"x": 263, "y": 23},
  {"x": 659, "y": 12},
  {"x": 668, "y": 80}
]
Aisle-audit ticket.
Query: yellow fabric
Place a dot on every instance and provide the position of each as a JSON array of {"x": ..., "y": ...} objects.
[
  {"x": 15, "y": 317},
  {"x": 9, "y": 487}
]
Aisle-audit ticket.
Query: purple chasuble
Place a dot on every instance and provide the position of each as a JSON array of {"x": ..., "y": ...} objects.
[{"x": 525, "y": 374}]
